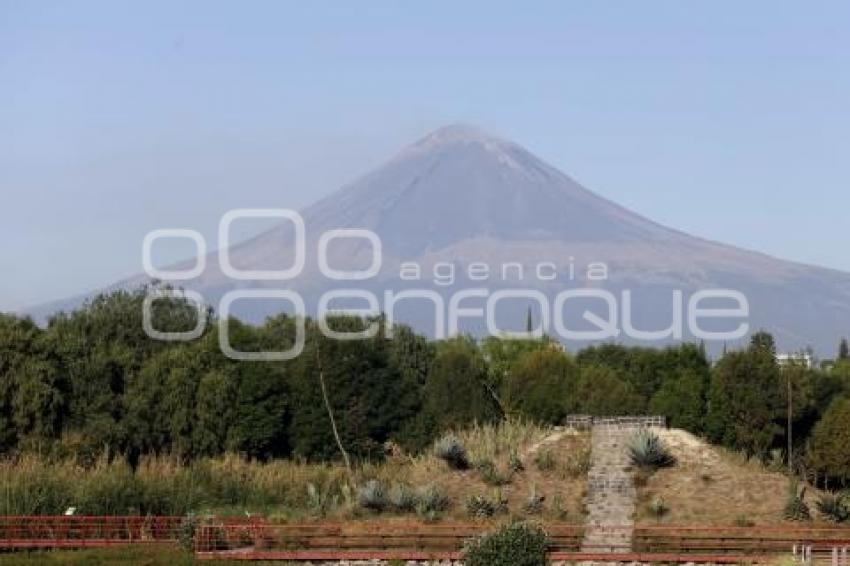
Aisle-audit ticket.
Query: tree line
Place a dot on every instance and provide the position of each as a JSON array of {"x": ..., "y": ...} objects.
[{"x": 92, "y": 383}]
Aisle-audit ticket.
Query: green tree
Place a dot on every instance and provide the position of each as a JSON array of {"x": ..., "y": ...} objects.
[
  {"x": 763, "y": 340},
  {"x": 456, "y": 394},
  {"x": 370, "y": 399},
  {"x": 261, "y": 411},
  {"x": 602, "y": 392},
  {"x": 682, "y": 399},
  {"x": 539, "y": 385},
  {"x": 746, "y": 401},
  {"x": 501, "y": 354},
  {"x": 831, "y": 437},
  {"x": 18, "y": 338},
  {"x": 39, "y": 402},
  {"x": 215, "y": 411}
]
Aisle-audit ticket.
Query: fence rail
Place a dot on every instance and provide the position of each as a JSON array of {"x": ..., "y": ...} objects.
[
  {"x": 81, "y": 531},
  {"x": 584, "y": 422},
  {"x": 244, "y": 538}
]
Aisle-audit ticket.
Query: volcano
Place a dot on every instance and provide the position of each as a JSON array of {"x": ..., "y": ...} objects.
[{"x": 460, "y": 199}]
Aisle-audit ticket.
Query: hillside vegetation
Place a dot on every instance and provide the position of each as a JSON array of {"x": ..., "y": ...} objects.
[{"x": 95, "y": 414}]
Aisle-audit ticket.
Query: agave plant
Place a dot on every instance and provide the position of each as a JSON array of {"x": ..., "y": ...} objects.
[
  {"x": 403, "y": 499},
  {"x": 372, "y": 496},
  {"x": 648, "y": 451},
  {"x": 451, "y": 450},
  {"x": 482, "y": 507},
  {"x": 534, "y": 503},
  {"x": 432, "y": 501},
  {"x": 796, "y": 508},
  {"x": 834, "y": 507}
]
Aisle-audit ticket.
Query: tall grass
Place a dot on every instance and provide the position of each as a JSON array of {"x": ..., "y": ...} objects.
[
  {"x": 33, "y": 485},
  {"x": 497, "y": 441},
  {"x": 160, "y": 486}
]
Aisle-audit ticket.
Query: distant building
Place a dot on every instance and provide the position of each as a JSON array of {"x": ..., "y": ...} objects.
[{"x": 798, "y": 358}]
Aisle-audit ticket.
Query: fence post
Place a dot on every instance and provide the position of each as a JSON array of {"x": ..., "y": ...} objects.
[{"x": 834, "y": 556}]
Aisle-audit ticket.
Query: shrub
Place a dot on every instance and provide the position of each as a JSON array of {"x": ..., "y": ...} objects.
[
  {"x": 796, "y": 508},
  {"x": 534, "y": 503},
  {"x": 515, "y": 463},
  {"x": 559, "y": 510},
  {"x": 658, "y": 508},
  {"x": 432, "y": 502},
  {"x": 403, "y": 499},
  {"x": 517, "y": 544},
  {"x": 490, "y": 474},
  {"x": 482, "y": 507},
  {"x": 545, "y": 461},
  {"x": 450, "y": 449},
  {"x": 320, "y": 501},
  {"x": 186, "y": 532},
  {"x": 648, "y": 451},
  {"x": 577, "y": 465},
  {"x": 372, "y": 496},
  {"x": 834, "y": 507}
]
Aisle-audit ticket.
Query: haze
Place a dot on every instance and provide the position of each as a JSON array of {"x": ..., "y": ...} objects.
[{"x": 725, "y": 120}]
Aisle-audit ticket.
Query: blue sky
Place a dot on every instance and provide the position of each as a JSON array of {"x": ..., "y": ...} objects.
[{"x": 728, "y": 120}]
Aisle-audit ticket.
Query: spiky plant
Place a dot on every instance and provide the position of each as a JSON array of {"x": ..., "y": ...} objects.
[
  {"x": 490, "y": 473},
  {"x": 834, "y": 507},
  {"x": 482, "y": 507},
  {"x": 545, "y": 461},
  {"x": 796, "y": 508},
  {"x": 515, "y": 463},
  {"x": 403, "y": 499},
  {"x": 648, "y": 451},
  {"x": 658, "y": 508},
  {"x": 534, "y": 503},
  {"x": 373, "y": 496},
  {"x": 451, "y": 450},
  {"x": 479, "y": 507},
  {"x": 432, "y": 502}
]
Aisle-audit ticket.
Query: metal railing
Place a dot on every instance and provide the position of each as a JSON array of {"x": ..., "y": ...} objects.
[{"x": 81, "y": 531}]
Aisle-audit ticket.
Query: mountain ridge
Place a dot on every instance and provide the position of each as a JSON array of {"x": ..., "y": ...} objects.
[{"x": 461, "y": 194}]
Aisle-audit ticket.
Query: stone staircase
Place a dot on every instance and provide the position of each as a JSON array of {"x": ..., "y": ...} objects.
[{"x": 611, "y": 494}]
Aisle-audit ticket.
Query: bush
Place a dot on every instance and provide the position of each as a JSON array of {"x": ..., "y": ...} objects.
[
  {"x": 450, "y": 449},
  {"x": 372, "y": 496},
  {"x": 648, "y": 451},
  {"x": 534, "y": 503},
  {"x": 482, "y": 507},
  {"x": 490, "y": 474},
  {"x": 432, "y": 502},
  {"x": 515, "y": 463},
  {"x": 186, "y": 532},
  {"x": 545, "y": 461},
  {"x": 658, "y": 508},
  {"x": 403, "y": 499},
  {"x": 796, "y": 508},
  {"x": 834, "y": 507},
  {"x": 517, "y": 544}
]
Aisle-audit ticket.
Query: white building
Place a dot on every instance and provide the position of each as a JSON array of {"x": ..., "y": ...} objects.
[{"x": 798, "y": 358}]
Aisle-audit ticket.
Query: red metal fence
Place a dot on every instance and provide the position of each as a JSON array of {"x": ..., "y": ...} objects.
[
  {"x": 79, "y": 531},
  {"x": 244, "y": 538}
]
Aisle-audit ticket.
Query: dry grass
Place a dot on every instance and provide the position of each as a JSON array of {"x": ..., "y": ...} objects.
[
  {"x": 563, "y": 486},
  {"x": 711, "y": 486},
  {"x": 128, "y": 555},
  {"x": 290, "y": 490}
]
